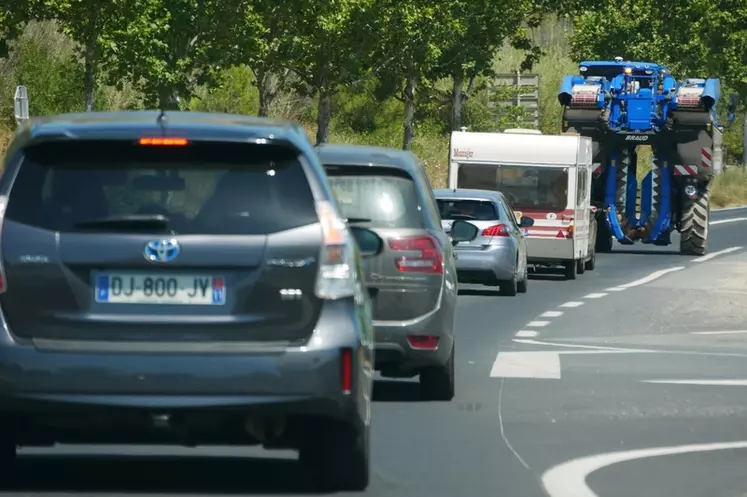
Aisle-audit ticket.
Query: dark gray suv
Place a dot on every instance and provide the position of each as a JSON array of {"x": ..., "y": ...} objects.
[
  {"x": 182, "y": 279},
  {"x": 413, "y": 281}
]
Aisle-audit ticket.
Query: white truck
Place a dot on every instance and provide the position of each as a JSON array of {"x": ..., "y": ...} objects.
[{"x": 545, "y": 177}]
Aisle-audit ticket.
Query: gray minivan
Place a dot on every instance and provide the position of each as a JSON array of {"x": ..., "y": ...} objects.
[{"x": 413, "y": 282}]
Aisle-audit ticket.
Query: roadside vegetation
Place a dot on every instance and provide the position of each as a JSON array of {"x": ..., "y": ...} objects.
[{"x": 402, "y": 86}]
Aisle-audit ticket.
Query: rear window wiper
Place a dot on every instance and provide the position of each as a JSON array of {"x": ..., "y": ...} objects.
[
  {"x": 127, "y": 223},
  {"x": 357, "y": 220}
]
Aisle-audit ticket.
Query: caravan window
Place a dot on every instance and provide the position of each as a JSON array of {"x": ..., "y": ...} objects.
[
  {"x": 527, "y": 187},
  {"x": 581, "y": 185}
]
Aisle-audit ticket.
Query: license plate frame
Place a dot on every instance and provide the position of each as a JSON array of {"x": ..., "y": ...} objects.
[{"x": 166, "y": 289}]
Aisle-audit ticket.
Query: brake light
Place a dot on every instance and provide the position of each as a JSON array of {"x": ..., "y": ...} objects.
[
  {"x": 497, "y": 230},
  {"x": 347, "y": 371},
  {"x": 429, "y": 260},
  {"x": 164, "y": 142},
  {"x": 337, "y": 277},
  {"x": 3, "y": 282}
]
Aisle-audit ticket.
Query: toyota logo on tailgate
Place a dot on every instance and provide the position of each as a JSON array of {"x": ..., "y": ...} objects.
[{"x": 162, "y": 250}]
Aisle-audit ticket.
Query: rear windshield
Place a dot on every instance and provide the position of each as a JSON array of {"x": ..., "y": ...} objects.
[
  {"x": 525, "y": 187},
  {"x": 478, "y": 210},
  {"x": 227, "y": 189},
  {"x": 381, "y": 201}
]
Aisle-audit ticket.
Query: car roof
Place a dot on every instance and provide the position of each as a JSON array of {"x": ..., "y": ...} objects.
[
  {"x": 466, "y": 193},
  {"x": 366, "y": 155},
  {"x": 127, "y": 125}
]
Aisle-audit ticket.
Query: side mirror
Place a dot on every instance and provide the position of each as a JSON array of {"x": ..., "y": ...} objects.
[
  {"x": 370, "y": 243},
  {"x": 526, "y": 222},
  {"x": 731, "y": 108},
  {"x": 462, "y": 231}
]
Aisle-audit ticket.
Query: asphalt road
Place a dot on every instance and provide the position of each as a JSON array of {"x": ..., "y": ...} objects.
[{"x": 562, "y": 391}]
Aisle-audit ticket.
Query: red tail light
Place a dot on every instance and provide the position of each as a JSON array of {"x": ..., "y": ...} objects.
[
  {"x": 497, "y": 230},
  {"x": 430, "y": 259},
  {"x": 347, "y": 371}
]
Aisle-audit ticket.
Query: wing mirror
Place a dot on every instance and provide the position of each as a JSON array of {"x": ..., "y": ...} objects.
[
  {"x": 462, "y": 231},
  {"x": 370, "y": 243},
  {"x": 526, "y": 222}
]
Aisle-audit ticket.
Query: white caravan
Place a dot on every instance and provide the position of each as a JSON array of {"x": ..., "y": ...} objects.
[{"x": 545, "y": 177}]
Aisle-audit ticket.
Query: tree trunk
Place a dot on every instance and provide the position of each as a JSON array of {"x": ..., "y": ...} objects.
[
  {"x": 324, "y": 116},
  {"x": 265, "y": 92},
  {"x": 457, "y": 99},
  {"x": 167, "y": 99},
  {"x": 409, "y": 97},
  {"x": 89, "y": 80}
]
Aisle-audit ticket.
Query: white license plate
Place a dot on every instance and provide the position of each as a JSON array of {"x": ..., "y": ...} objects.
[{"x": 145, "y": 288}]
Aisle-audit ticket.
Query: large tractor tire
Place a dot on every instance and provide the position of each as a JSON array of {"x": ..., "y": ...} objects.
[
  {"x": 694, "y": 225},
  {"x": 603, "y": 244}
]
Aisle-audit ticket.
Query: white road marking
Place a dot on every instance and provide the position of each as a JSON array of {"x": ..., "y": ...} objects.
[
  {"x": 575, "y": 346},
  {"x": 551, "y": 314},
  {"x": 569, "y": 478},
  {"x": 651, "y": 277},
  {"x": 716, "y": 254},
  {"x": 571, "y": 304},
  {"x": 596, "y": 295},
  {"x": 526, "y": 333},
  {"x": 538, "y": 324},
  {"x": 732, "y": 220},
  {"x": 640, "y": 351},
  {"x": 732, "y": 332},
  {"x": 614, "y": 289},
  {"x": 715, "y": 383},
  {"x": 541, "y": 365}
]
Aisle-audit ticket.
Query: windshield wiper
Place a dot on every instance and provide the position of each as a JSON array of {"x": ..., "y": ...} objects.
[
  {"x": 357, "y": 220},
  {"x": 150, "y": 222}
]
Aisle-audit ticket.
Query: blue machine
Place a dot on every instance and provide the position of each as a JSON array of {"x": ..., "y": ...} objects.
[{"x": 622, "y": 105}]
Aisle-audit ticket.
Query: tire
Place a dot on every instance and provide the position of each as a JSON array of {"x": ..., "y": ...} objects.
[
  {"x": 580, "y": 266},
  {"x": 521, "y": 286},
  {"x": 694, "y": 224},
  {"x": 592, "y": 262},
  {"x": 570, "y": 270},
  {"x": 338, "y": 458},
  {"x": 438, "y": 382},
  {"x": 510, "y": 287}
]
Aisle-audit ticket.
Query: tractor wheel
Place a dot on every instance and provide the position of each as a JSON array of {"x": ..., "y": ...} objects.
[{"x": 694, "y": 224}]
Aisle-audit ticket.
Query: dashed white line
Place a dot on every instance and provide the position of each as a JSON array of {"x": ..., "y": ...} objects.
[
  {"x": 712, "y": 383},
  {"x": 731, "y": 332},
  {"x": 716, "y": 254},
  {"x": 651, "y": 277},
  {"x": 571, "y": 304},
  {"x": 526, "y": 334},
  {"x": 596, "y": 295},
  {"x": 551, "y": 314},
  {"x": 732, "y": 220},
  {"x": 614, "y": 289},
  {"x": 537, "y": 324}
]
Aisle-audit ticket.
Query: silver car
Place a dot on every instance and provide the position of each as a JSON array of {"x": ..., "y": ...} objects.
[{"x": 498, "y": 256}]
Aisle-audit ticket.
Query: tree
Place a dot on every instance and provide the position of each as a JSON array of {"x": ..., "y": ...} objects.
[
  {"x": 175, "y": 45},
  {"x": 326, "y": 48},
  {"x": 12, "y": 19},
  {"x": 692, "y": 37},
  {"x": 485, "y": 26},
  {"x": 410, "y": 39},
  {"x": 266, "y": 23},
  {"x": 90, "y": 24}
]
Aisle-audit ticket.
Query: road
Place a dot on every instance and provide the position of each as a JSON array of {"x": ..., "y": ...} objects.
[{"x": 614, "y": 384}]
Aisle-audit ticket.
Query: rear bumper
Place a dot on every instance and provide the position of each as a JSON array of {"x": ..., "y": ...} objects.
[
  {"x": 83, "y": 376},
  {"x": 549, "y": 250},
  {"x": 393, "y": 350},
  {"x": 498, "y": 260}
]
